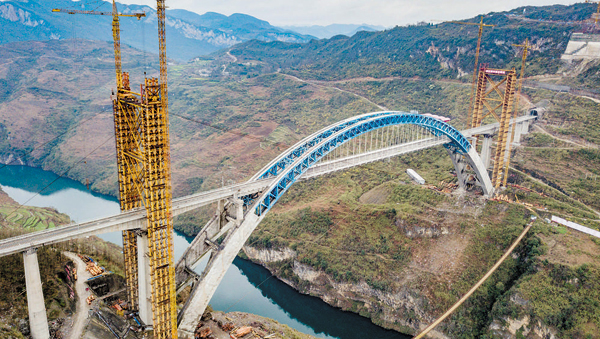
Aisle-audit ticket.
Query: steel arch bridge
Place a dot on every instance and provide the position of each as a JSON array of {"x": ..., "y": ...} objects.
[
  {"x": 313, "y": 148},
  {"x": 286, "y": 169}
]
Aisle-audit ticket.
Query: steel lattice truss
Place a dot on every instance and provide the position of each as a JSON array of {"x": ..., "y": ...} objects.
[
  {"x": 321, "y": 143},
  {"x": 142, "y": 140},
  {"x": 486, "y": 103}
]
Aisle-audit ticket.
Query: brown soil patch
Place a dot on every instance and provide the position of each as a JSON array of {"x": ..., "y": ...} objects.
[
  {"x": 5, "y": 199},
  {"x": 441, "y": 255},
  {"x": 260, "y": 327},
  {"x": 377, "y": 195},
  {"x": 571, "y": 249}
]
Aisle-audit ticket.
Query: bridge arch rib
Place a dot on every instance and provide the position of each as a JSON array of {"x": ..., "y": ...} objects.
[
  {"x": 312, "y": 149},
  {"x": 289, "y": 167}
]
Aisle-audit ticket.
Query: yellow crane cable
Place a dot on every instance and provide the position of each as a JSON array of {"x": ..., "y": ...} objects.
[{"x": 474, "y": 288}]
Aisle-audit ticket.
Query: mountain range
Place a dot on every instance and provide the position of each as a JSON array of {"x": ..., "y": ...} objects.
[
  {"x": 426, "y": 50},
  {"x": 189, "y": 34},
  {"x": 326, "y": 32}
]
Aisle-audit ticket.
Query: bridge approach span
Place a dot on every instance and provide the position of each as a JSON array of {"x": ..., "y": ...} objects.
[{"x": 132, "y": 219}]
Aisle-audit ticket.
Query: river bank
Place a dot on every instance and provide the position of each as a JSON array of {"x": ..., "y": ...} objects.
[{"x": 246, "y": 287}]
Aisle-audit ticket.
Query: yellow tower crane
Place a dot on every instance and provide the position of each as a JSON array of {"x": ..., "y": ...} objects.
[
  {"x": 144, "y": 168},
  {"x": 115, "y": 30},
  {"x": 473, "y": 81},
  {"x": 143, "y": 165}
]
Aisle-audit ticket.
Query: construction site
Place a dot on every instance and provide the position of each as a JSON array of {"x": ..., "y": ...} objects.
[{"x": 163, "y": 296}]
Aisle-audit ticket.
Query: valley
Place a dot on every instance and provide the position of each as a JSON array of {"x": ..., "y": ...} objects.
[{"x": 366, "y": 239}]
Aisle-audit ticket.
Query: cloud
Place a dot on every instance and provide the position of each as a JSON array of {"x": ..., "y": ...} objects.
[{"x": 377, "y": 12}]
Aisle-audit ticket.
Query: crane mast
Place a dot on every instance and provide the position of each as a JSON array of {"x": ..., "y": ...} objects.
[
  {"x": 116, "y": 31},
  {"x": 525, "y": 46},
  {"x": 473, "y": 81},
  {"x": 162, "y": 52},
  {"x": 144, "y": 174}
]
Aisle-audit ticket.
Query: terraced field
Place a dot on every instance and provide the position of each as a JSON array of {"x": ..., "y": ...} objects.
[{"x": 32, "y": 218}]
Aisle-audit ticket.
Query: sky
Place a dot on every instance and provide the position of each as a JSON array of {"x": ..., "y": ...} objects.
[{"x": 387, "y": 13}]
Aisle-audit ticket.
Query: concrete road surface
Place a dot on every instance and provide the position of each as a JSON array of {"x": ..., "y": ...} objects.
[{"x": 81, "y": 313}]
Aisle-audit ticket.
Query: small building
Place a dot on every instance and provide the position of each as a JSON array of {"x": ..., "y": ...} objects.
[{"x": 414, "y": 176}]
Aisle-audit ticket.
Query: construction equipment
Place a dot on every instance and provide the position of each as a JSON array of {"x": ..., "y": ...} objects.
[
  {"x": 143, "y": 157},
  {"x": 525, "y": 46},
  {"x": 481, "y": 25},
  {"x": 143, "y": 166},
  {"x": 487, "y": 104},
  {"x": 595, "y": 16},
  {"x": 74, "y": 11}
]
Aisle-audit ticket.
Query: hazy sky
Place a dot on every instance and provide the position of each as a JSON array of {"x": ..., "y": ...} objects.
[{"x": 376, "y": 12}]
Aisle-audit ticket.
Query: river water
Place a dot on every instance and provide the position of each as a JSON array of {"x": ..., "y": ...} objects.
[{"x": 247, "y": 287}]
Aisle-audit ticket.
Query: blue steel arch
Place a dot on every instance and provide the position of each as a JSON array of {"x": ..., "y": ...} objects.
[{"x": 305, "y": 155}]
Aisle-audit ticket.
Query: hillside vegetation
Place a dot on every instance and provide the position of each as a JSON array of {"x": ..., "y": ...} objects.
[
  {"x": 443, "y": 50},
  {"x": 365, "y": 239},
  {"x": 58, "y": 301}
]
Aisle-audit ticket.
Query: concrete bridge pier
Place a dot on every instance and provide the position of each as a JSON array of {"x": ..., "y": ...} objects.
[
  {"x": 144, "y": 282},
  {"x": 525, "y": 127},
  {"x": 486, "y": 150},
  {"x": 521, "y": 129},
  {"x": 460, "y": 166},
  {"x": 516, "y": 139},
  {"x": 38, "y": 321}
]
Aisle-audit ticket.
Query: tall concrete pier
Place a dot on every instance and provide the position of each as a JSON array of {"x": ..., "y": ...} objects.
[{"x": 38, "y": 321}]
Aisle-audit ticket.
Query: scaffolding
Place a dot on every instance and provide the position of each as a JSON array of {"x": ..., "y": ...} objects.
[
  {"x": 489, "y": 99},
  {"x": 143, "y": 161},
  {"x": 144, "y": 179}
]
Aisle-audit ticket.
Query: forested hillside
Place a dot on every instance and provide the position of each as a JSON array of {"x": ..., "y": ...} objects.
[
  {"x": 404, "y": 257},
  {"x": 445, "y": 50},
  {"x": 189, "y": 34}
]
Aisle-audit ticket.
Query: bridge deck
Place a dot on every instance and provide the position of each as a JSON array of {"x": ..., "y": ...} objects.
[{"x": 133, "y": 219}]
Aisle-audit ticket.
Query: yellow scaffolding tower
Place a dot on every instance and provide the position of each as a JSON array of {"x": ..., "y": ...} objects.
[
  {"x": 144, "y": 178},
  {"x": 143, "y": 157},
  {"x": 487, "y": 102},
  {"x": 143, "y": 162}
]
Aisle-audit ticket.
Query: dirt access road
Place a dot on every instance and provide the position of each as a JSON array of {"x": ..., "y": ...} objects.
[{"x": 81, "y": 313}]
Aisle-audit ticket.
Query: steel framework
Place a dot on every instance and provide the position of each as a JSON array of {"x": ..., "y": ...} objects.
[
  {"x": 142, "y": 142},
  {"x": 352, "y": 128},
  {"x": 143, "y": 160},
  {"x": 486, "y": 104}
]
